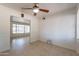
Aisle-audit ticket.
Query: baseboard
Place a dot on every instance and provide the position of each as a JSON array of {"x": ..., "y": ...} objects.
[
  {"x": 45, "y": 41},
  {"x": 5, "y": 51},
  {"x": 33, "y": 41}
]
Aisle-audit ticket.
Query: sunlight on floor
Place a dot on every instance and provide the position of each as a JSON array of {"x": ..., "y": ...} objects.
[{"x": 20, "y": 42}]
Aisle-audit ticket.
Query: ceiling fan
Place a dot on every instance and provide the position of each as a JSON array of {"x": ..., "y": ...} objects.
[{"x": 35, "y": 9}]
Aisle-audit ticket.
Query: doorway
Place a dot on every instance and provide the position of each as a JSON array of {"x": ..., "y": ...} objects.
[{"x": 19, "y": 32}]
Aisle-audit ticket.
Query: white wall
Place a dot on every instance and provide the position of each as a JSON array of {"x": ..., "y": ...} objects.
[
  {"x": 34, "y": 27},
  {"x": 5, "y": 14},
  {"x": 60, "y": 29},
  {"x": 78, "y": 30}
]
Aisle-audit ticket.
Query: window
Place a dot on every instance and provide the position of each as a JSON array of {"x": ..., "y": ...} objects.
[
  {"x": 14, "y": 28},
  {"x": 18, "y": 28},
  {"x": 27, "y": 29}
]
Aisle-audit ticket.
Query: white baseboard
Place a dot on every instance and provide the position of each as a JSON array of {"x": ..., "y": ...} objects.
[
  {"x": 43, "y": 40},
  {"x": 4, "y": 50}
]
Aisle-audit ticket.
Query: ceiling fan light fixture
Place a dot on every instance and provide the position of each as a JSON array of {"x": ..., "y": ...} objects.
[{"x": 35, "y": 10}]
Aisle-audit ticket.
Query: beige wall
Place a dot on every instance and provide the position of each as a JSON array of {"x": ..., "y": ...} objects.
[
  {"x": 60, "y": 29},
  {"x": 5, "y": 14}
]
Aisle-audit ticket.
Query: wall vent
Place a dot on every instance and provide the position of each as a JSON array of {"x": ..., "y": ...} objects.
[{"x": 49, "y": 41}]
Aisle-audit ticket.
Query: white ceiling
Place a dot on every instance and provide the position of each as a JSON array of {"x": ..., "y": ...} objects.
[{"x": 52, "y": 7}]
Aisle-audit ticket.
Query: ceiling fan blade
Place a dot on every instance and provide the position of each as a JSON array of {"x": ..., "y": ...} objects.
[
  {"x": 44, "y": 10},
  {"x": 26, "y": 8}
]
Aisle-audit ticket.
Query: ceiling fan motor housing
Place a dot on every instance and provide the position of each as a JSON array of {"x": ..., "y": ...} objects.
[{"x": 35, "y": 9}]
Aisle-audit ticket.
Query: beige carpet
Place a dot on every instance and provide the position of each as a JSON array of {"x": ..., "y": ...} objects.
[{"x": 39, "y": 49}]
